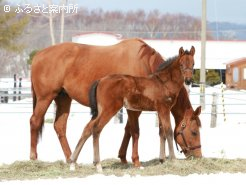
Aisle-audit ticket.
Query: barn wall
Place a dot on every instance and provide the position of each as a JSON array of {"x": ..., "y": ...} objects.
[{"x": 231, "y": 74}]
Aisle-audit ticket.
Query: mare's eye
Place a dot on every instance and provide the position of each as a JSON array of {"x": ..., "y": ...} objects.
[{"x": 194, "y": 133}]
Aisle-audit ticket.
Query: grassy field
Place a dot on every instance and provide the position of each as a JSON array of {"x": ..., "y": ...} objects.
[{"x": 37, "y": 169}]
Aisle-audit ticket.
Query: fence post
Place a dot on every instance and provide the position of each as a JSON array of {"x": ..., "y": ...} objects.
[
  {"x": 118, "y": 118},
  {"x": 223, "y": 100},
  {"x": 20, "y": 86},
  {"x": 214, "y": 110},
  {"x": 14, "y": 97}
]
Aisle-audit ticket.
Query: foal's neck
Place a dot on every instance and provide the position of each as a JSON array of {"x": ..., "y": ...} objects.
[{"x": 172, "y": 75}]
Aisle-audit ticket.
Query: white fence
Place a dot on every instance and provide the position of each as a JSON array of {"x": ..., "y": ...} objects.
[{"x": 221, "y": 105}]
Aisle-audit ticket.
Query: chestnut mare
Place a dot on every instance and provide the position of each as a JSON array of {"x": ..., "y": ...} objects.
[
  {"x": 157, "y": 92},
  {"x": 186, "y": 132}
]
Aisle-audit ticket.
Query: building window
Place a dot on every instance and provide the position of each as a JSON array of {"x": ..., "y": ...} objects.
[
  {"x": 244, "y": 73},
  {"x": 235, "y": 74}
]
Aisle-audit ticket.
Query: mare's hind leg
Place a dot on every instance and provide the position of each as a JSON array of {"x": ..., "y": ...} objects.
[
  {"x": 129, "y": 131},
  {"x": 63, "y": 103},
  {"x": 36, "y": 123}
]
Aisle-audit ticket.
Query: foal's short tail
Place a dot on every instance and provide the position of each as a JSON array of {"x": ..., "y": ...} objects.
[{"x": 93, "y": 99}]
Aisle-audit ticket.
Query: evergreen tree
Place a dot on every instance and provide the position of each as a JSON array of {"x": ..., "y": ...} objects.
[
  {"x": 212, "y": 77},
  {"x": 12, "y": 26}
]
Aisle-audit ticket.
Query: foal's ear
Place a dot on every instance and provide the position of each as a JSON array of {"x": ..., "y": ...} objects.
[
  {"x": 192, "y": 50},
  {"x": 181, "y": 51},
  {"x": 198, "y": 111}
]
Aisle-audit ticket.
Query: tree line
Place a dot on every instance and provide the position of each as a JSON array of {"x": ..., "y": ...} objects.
[{"x": 24, "y": 33}]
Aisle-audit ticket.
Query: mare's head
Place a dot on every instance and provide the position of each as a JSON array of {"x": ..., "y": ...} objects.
[
  {"x": 187, "y": 133},
  {"x": 186, "y": 61}
]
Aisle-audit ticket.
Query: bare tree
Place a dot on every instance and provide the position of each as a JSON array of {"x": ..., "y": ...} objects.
[{"x": 51, "y": 15}]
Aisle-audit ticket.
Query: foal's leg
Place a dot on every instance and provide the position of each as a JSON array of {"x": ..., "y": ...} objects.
[
  {"x": 162, "y": 135},
  {"x": 129, "y": 131},
  {"x": 164, "y": 130},
  {"x": 87, "y": 132},
  {"x": 167, "y": 133},
  {"x": 109, "y": 109},
  {"x": 36, "y": 123},
  {"x": 63, "y": 103}
]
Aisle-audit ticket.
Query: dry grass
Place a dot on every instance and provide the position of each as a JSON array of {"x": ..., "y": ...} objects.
[{"x": 38, "y": 169}]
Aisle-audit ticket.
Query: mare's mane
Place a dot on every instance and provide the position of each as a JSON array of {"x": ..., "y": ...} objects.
[{"x": 146, "y": 50}]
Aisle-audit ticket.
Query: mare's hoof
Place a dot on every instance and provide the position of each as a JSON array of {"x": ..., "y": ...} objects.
[
  {"x": 33, "y": 156},
  {"x": 161, "y": 161},
  {"x": 123, "y": 161}
]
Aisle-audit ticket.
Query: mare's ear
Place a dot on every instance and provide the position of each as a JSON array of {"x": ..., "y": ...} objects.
[
  {"x": 192, "y": 50},
  {"x": 181, "y": 51},
  {"x": 198, "y": 111}
]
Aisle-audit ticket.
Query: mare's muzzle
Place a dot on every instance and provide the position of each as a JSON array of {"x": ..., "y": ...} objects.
[{"x": 188, "y": 81}]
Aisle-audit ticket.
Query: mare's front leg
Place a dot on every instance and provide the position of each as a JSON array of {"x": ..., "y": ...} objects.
[{"x": 131, "y": 129}]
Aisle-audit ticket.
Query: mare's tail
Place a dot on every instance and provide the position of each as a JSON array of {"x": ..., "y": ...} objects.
[
  {"x": 93, "y": 99},
  {"x": 34, "y": 102}
]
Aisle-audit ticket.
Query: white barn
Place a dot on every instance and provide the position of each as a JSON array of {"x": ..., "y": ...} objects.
[{"x": 218, "y": 53}]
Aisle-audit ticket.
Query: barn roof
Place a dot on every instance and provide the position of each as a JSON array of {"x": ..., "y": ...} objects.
[{"x": 237, "y": 61}]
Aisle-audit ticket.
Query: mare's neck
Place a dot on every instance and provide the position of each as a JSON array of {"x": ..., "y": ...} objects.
[{"x": 182, "y": 104}]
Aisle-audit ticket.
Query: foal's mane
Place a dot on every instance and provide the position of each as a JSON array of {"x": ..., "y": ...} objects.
[
  {"x": 166, "y": 63},
  {"x": 169, "y": 61}
]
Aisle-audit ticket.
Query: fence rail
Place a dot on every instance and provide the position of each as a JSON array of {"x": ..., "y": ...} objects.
[{"x": 228, "y": 103}]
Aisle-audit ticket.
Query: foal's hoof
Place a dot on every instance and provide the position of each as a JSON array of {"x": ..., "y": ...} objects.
[
  {"x": 99, "y": 168},
  {"x": 171, "y": 157},
  {"x": 72, "y": 167},
  {"x": 141, "y": 167}
]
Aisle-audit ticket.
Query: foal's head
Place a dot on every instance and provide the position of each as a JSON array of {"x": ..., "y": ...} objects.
[
  {"x": 187, "y": 133},
  {"x": 186, "y": 61}
]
